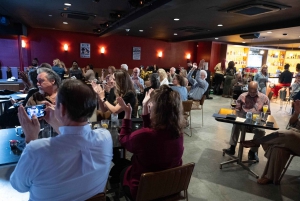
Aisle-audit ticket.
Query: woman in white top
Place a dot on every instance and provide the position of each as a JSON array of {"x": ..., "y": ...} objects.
[
  {"x": 219, "y": 75},
  {"x": 163, "y": 77}
]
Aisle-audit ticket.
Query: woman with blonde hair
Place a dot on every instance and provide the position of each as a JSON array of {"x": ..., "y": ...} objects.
[
  {"x": 163, "y": 77},
  {"x": 58, "y": 68},
  {"x": 262, "y": 78},
  {"x": 123, "y": 88}
]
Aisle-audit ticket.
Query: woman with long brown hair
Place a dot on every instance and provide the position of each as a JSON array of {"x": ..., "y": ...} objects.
[
  {"x": 123, "y": 88},
  {"x": 159, "y": 144}
]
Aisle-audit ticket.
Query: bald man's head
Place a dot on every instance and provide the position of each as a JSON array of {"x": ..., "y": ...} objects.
[
  {"x": 136, "y": 72},
  {"x": 253, "y": 88}
]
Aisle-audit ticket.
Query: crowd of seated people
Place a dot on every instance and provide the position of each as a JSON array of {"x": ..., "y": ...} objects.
[{"x": 118, "y": 95}]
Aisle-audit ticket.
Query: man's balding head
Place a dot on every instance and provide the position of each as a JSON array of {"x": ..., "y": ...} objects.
[{"x": 253, "y": 88}]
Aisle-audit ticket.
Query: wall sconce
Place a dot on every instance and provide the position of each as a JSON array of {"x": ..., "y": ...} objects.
[
  {"x": 160, "y": 54},
  {"x": 23, "y": 44},
  {"x": 102, "y": 50},
  {"x": 188, "y": 56},
  {"x": 66, "y": 47}
]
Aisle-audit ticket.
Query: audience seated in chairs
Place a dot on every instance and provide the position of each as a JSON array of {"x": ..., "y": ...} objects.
[
  {"x": 251, "y": 101},
  {"x": 278, "y": 146},
  {"x": 155, "y": 147}
]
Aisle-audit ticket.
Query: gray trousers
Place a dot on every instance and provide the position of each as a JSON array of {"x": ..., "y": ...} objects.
[{"x": 235, "y": 134}]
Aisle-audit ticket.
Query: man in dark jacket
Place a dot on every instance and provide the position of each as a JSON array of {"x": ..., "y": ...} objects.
[{"x": 285, "y": 80}]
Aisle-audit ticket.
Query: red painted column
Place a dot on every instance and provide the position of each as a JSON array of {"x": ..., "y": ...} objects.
[{"x": 21, "y": 60}]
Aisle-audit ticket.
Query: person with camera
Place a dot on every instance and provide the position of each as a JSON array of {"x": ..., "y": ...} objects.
[{"x": 73, "y": 165}]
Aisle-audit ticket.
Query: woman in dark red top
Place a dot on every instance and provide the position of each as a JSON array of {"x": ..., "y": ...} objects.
[{"x": 159, "y": 144}]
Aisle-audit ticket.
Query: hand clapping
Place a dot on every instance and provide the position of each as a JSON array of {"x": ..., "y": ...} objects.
[
  {"x": 98, "y": 89},
  {"x": 127, "y": 108}
]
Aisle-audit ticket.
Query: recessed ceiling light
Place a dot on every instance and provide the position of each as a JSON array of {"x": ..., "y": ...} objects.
[
  {"x": 216, "y": 38},
  {"x": 65, "y": 22},
  {"x": 220, "y": 25},
  {"x": 285, "y": 34},
  {"x": 243, "y": 42},
  {"x": 141, "y": 30},
  {"x": 269, "y": 32},
  {"x": 50, "y": 15},
  {"x": 68, "y": 4},
  {"x": 176, "y": 19},
  {"x": 175, "y": 34}
]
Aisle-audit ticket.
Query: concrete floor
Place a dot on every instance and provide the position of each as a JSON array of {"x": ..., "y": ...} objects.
[{"x": 204, "y": 148}]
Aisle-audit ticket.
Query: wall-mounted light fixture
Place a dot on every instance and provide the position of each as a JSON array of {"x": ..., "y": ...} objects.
[
  {"x": 102, "y": 50},
  {"x": 188, "y": 56},
  {"x": 23, "y": 44},
  {"x": 159, "y": 54},
  {"x": 66, "y": 47}
]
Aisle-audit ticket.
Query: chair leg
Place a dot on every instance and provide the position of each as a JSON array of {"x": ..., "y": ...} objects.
[
  {"x": 202, "y": 115},
  {"x": 285, "y": 168},
  {"x": 190, "y": 127}
]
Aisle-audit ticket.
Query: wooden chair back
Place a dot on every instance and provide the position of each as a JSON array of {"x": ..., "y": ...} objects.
[{"x": 166, "y": 184}]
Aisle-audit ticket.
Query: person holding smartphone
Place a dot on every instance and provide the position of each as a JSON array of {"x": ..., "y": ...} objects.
[{"x": 73, "y": 165}]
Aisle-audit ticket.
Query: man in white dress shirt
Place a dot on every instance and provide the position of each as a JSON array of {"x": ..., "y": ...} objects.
[{"x": 73, "y": 165}]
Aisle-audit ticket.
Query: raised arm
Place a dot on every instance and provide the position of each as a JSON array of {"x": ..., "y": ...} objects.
[{"x": 189, "y": 76}]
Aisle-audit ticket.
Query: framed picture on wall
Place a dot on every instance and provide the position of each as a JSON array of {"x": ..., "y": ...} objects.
[
  {"x": 85, "y": 50},
  {"x": 136, "y": 53}
]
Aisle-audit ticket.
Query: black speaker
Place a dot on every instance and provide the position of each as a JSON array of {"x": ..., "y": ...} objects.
[{"x": 250, "y": 36}]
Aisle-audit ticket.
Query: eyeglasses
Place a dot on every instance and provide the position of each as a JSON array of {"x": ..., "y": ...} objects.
[{"x": 136, "y": 72}]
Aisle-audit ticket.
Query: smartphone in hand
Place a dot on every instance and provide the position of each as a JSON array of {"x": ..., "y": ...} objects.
[{"x": 37, "y": 110}]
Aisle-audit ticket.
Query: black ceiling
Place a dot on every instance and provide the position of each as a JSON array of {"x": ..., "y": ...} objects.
[{"x": 198, "y": 19}]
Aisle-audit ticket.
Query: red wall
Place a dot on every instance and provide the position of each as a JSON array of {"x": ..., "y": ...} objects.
[
  {"x": 215, "y": 55},
  {"x": 47, "y": 45},
  {"x": 204, "y": 51}
]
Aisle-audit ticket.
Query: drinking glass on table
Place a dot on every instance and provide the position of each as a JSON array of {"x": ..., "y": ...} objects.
[
  {"x": 104, "y": 123},
  {"x": 233, "y": 105},
  {"x": 265, "y": 109}
]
